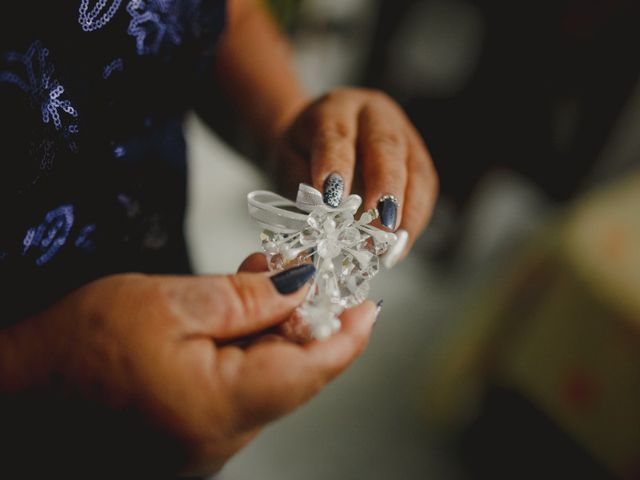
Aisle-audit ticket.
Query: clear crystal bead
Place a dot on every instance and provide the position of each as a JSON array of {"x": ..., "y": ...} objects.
[
  {"x": 335, "y": 325},
  {"x": 367, "y": 217},
  {"x": 308, "y": 236},
  {"x": 321, "y": 331},
  {"x": 316, "y": 219},
  {"x": 371, "y": 269},
  {"x": 327, "y": 285},
  {"x": 346, "y": 266},
  {"x": 270, "y": 247},
  {"x": 349, "y": 237},
  {"x": 329, "y": 226},
  {"x": 357, "y": 288},
  {"x": 343, "y": 219},
  {"x": 380, "y": 247},
  {"x": 328, "y": 248}
]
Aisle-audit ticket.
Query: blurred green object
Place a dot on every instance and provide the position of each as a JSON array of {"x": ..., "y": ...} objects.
[{"x": 284, "y": 11}]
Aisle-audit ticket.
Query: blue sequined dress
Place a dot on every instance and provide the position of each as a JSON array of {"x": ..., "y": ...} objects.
[{"x": 93, "y": 172}]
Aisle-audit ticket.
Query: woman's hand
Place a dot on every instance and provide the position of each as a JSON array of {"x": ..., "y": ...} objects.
[
  {"x": 362, "y": 136},
  {"x": 354, "y": 130},
  {"x": 135, "y": 373}
]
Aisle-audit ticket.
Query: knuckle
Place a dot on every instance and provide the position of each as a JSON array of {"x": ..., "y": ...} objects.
[
  {"x": 388, "y": 139},
  {"x": 331, "y": 132},
  {"x": 162, "y": 295},
  {"x": 386, "y": 143},
  {"x": 386, "y": 180},
  {"x": 337, "y": 94}
]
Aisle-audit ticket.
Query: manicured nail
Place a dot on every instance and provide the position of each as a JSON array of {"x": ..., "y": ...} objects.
[
  {"x": 333, "y": 190},
  {"x": 388, "y": 209},
  {"x": 378, "y": 308},
  {"x": 392, "y": 256},
  {"x": 293, "y": 279}
]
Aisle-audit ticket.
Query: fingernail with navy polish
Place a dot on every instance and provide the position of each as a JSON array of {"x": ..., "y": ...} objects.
[
  {"x": 388, "y": 210},
  {"x": 333, "y": 189},
  {"x": 293, "y": 279}
]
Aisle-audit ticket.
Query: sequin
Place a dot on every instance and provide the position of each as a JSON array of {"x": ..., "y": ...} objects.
[
  {"x": 50, "y": 235},
  {"x": 37, "y": 81},
  {"x": 116, "y": 65},
  {"x": 119, "y": 151},
  {"x": 154, "y": 22},
  {"x": 83, "y": 240},
  {"x": 132, "y": 208},
  {"x": 96, "y": 17}
]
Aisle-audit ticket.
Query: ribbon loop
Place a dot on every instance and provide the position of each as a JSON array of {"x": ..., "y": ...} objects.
[{"x": 278, "y": 214}]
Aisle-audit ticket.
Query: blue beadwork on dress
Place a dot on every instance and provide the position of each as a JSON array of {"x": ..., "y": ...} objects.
[
  {"x": 154, "y": 22},
  {"x": 95, "y": 15},
  {"x": 33, "y": 73},
  {"x": 84, "y": 240},
  {"x": 116, "y": 65},
  {"x": 93, "y": 178},
  {"x": 48, "y": 237}
]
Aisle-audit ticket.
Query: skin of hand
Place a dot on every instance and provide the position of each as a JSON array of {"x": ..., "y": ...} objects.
[
  {"x": 135, "y": 373},
  {"x": 355, "y": 130}
]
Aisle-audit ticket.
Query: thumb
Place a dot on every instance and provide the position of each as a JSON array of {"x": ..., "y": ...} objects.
[
  {"x": 254, "y": 301},
  {"x": 256, "y": 262}
]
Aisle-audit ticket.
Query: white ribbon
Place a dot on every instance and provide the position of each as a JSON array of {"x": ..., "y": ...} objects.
[{"x": 278, "y": 214}]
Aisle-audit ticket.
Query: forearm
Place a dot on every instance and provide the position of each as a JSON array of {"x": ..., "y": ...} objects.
[{"x": 254, "y": 68}]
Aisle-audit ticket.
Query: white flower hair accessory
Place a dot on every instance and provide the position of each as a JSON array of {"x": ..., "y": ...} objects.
[{"x": 344, "y": 251}]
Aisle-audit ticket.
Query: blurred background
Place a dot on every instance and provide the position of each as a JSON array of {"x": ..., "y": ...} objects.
[{"x": 509, "y": 342}]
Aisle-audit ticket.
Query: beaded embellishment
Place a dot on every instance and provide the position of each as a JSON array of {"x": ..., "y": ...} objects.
[
  {"x": 152, "y": 23},
  {"x": 343, "y": 249},
  {"x": 98, "y": 16}
]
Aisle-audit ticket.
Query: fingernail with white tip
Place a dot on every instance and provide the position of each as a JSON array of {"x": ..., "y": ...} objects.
[{"x": 394, "y": 254}]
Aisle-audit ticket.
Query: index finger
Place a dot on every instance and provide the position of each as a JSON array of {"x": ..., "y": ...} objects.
[{"x": 333, "y": 146}]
